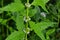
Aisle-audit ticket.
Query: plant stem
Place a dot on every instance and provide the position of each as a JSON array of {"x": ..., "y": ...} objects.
[
  {"x": 27, "y": 1},
  {"x": 26, "y": 30},
  {"x": 2, "y": 18},
  {"x": 27, "y": 18}
]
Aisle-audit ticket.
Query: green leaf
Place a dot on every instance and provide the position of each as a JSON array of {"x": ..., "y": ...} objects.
[
  {"x": 47, "y": 37},
  {"x": 32, "y": 12},
  {"x": 41, "y": 3},
  {"x": 16, "y": 35},
  {"x": 14, "y": 7},
  {"x": 19, "y": 21},
  {"x": 37, "y": 30},
  {"x": 50, "y": 31},
  {"x": 43, "y": 25},
  {"x": 2, "y": 21},
  {"x": 39, "y": 27},
  {"x": 37, "y": 15}
]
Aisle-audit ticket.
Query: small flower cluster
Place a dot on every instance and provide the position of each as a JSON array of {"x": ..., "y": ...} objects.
[
  {"x": 27, "y": 19},
  {"x": 28, "y": 5},
  {"x": 28, "y": 30},
  {"x": 43, "y": 14}
]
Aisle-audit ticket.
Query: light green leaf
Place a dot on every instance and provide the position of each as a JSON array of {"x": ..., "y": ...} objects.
[
  {"x": 37, "y": 30},
  {"x": 39, "y": 27},
  {"x": 43, "y": 25},
  {"x": 19, "y": 21},
  {"x": 2, "y": 21},
  {"x": 47, "y": 37},
  {"x": 16, "y": 35},
  {"x": 50, "y": 31},
  {"x": 41, "y": 3},
  {"x": 14, "y": 7}
]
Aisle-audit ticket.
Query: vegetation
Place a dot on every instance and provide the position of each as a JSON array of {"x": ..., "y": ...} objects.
[{"x": 29, "y": 19}]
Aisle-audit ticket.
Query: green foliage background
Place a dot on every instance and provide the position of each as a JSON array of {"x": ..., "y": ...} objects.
[{"x": 44, "y": 23}]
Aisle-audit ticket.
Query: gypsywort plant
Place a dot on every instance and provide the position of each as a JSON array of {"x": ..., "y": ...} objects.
[{"x": 27, "y": 17}]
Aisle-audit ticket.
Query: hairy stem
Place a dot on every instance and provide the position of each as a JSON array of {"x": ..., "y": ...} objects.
[
  {"x": 26, "y": 30},
  {"x": 27, "y": 18}
]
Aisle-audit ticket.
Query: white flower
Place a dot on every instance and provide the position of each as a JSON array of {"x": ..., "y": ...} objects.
[
  {"x": 28, "y": 30},
  {"x": 27, "y": 5},
  {"x": 27, "y": 19},
  {"x": 43, "y": 14}
]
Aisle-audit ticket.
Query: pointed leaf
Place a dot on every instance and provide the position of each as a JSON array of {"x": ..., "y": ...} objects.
[
  {"x": 44, "y": 25},
  {"x": 39, "y": 27},
  {"x": 41, "y": 3},
  {"x": 13, "y": 7},
  {"x": 50, "y": 31},
  {"x": 17, "y": 35},
  {"x": 37, "y": 30},
  {"x": 19, "y": 21}
]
